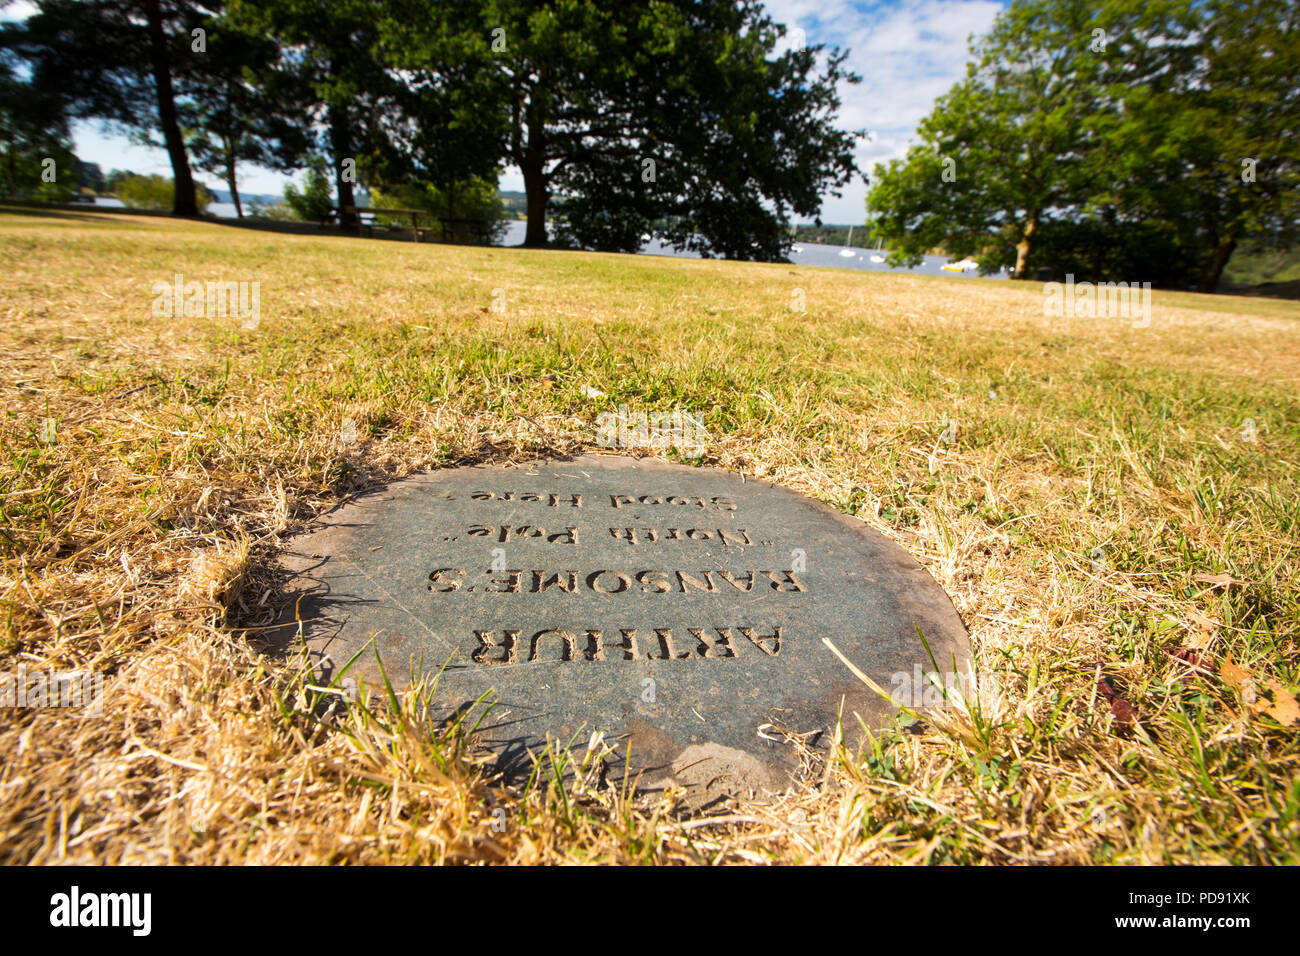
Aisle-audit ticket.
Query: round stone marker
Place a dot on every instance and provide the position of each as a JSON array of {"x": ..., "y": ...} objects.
[{"x": 683, "y": 611}]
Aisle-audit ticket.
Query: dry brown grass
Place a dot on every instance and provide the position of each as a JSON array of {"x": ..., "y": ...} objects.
[{"x": 138, "y": 542}]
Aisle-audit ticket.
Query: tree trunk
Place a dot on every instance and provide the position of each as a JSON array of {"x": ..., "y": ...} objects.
[
  {"x": 230, "y": 179},
  {"x": 1222, "y": 253},
  {"x": 535, "y": 188},
  {"x": 234, "y": 190},
  {"x": 1023, "y": 248},
  {"x": 341, "y": 147},
  {"x": 184, "y": 200}
]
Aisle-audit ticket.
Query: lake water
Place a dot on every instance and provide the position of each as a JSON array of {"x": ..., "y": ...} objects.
[{"x": 803, "y": 253}]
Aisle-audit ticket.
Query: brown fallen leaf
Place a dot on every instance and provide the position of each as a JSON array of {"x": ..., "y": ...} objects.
[
  {"x": 1271, "y": 698},
  {"x": 1206, "y": 630},
  {"x": 1192, "y": 656},
  {"x": 1125, "y": 714},
  {"x": 547, "y": 381},
  {"x": 1285, "y": 708}
]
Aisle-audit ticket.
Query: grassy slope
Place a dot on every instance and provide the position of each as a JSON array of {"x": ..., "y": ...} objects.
[{"x": 138, "y": 541}]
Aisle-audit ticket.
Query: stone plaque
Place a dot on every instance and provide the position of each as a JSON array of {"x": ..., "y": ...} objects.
[{"x": 680, "y": 610}]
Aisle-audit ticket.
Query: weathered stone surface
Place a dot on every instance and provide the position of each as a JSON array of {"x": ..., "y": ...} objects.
[{"x": 681, "y": 610}]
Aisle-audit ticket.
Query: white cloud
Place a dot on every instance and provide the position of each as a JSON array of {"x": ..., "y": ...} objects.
[{"x": 908, "y": 53}]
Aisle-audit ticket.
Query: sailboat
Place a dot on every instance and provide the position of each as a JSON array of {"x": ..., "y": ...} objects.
[
  {"x": 877, "y": 257},
  {"x": 847, "y": 252}
]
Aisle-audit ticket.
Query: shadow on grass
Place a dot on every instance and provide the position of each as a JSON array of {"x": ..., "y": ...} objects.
[{"x": 79, "y": 212}]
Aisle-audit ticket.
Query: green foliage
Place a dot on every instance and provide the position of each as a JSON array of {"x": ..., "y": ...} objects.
[
  {"x": 242, "y": 102},
  {"x": 88, "y": 176},
  {"x": 467, "y": 211},
  {"x": 117, "y": 61},
  {"x": 1255, "y": 263},
  {"x": 152, "y": 192},
  {"x": 313, "y": 202},
  {"x": 275, "y": 212},
  {"x": 829, "y": 235},
  {"x": 33, "y": 132},
  {"x": 668, "y": 117},
  {"x": 1108, "y": 139}
]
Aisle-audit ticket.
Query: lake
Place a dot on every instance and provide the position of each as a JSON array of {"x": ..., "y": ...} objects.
[{"x": 802, "y": 253}]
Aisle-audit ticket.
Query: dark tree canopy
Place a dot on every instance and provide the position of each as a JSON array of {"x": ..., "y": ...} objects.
[
  {"x": 672, "y": 117},
  {"x": 118, "y": 61},
  {"x": 666, "y": 117}
]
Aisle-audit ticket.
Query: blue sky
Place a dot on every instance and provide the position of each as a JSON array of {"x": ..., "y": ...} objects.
[{"x": 908, "y": 52}]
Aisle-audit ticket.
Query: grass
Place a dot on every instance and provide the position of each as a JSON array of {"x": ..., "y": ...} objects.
[{"x": 1116, "y": 521}]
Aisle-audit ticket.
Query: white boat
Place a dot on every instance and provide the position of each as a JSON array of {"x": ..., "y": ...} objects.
[
  {"x": 962, "y": 265},
  {"x": 797, "y": 250},
  {"x": 877, "y": 257},
  {"x": 847, "y": 252}
]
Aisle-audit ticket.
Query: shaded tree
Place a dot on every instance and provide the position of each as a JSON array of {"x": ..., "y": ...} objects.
[
  {"x": 671, "y": 117},
  {"x": 33, "y": 129},
  {"x": 333, "y": 47},
  {"x": 243, "y": 104},
  {"x": 117, "y": 60}
]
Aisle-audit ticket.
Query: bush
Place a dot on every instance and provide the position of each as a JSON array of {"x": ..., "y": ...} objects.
[
  {"x": 22, "y": 174},
  {"x": 154, "y": 192},
  {"x": 315, "y": 200}
]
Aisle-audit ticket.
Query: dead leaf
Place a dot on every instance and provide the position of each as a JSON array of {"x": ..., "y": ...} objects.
[
  {"x": 547, "y": 381},
  {"x": 1192, "y": 657},
  {"x": 1262, "y": 697},
  {"x": 1125, "y": 713}
]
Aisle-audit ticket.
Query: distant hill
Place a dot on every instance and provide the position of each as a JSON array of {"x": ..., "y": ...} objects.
[
  {"x": 266, "y": 199},
  {"x": 832, "y": 235}
]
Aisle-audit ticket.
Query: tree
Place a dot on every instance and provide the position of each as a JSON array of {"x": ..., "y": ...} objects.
[
  {"x": 36, "y": 159},
  {"x": 1080, "y": 132},
  {"x": 468, "y": 211},
  {"x": 88, "y": 176},
  {"x": 1006, "y": 148},
  {"x": 1206, "y": 142},
  {"x": 116, "y": 60},
  {"x": 334, "y": 48},
  {"x": 645, "y": 116},
  {"x": 734, "y": 140},
  {"x": 314, "y": 202},
  {"x": 243, "y": 105},
  {"x": 152, "y": 192}
]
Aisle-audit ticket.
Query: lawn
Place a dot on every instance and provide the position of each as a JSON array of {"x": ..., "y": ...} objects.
[{"x": 1113, "y": 510}]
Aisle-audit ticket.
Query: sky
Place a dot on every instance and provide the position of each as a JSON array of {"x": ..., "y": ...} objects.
[{"x": 908, "y": 53}]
